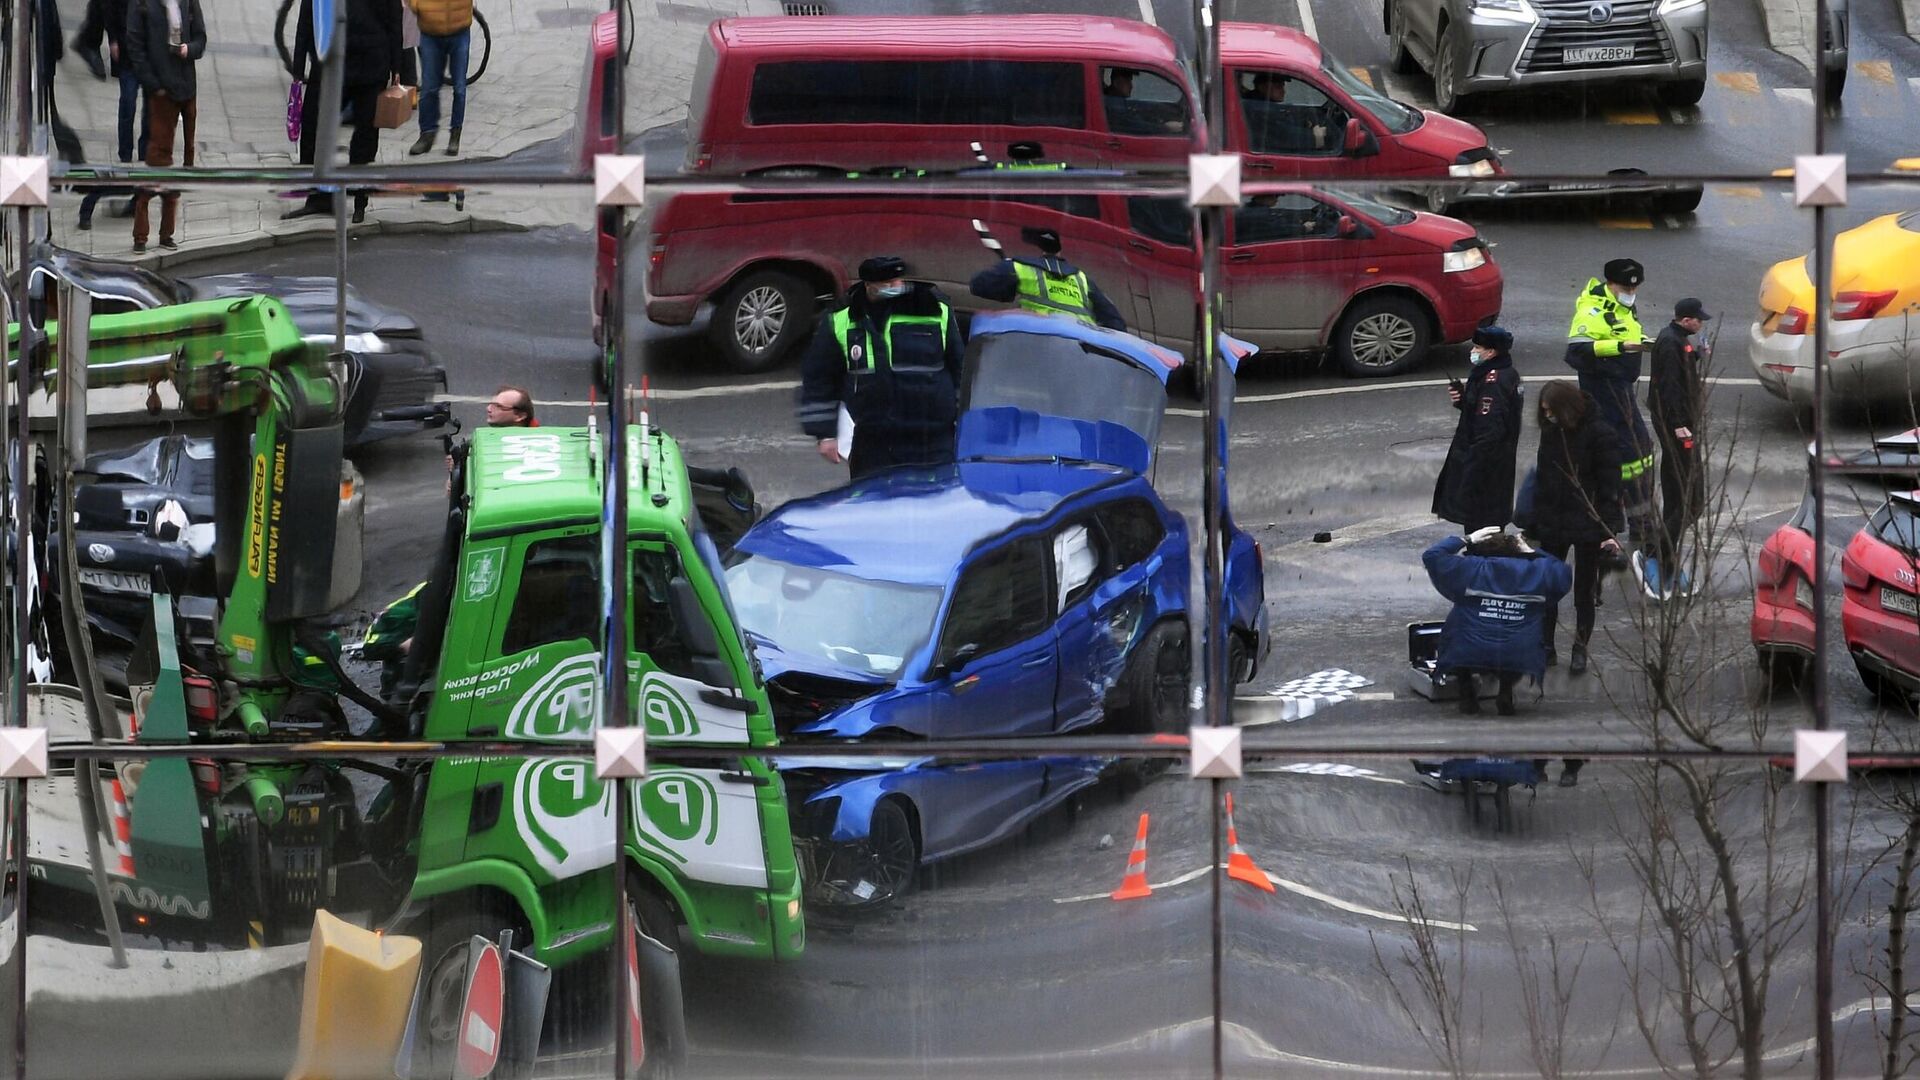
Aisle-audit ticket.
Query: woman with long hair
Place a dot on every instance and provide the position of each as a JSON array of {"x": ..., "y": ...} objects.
[{"x": 1576, "y": 503}]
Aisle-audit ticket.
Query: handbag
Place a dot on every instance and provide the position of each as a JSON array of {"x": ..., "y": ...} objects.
[
  {"x": 296, "y": 99},
  {"x": 394, "y": 107}
]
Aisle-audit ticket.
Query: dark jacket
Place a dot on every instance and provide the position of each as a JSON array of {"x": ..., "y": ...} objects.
[
  {"x": 1000, "y": 282},
  {"x": 158, "y": 67},
  {"x": 1676, "y": 394},
  {"x": 1499, "y": 607},
  {"x": 907, "y": 379},
  {"x": 1476, "y": 483},
  {"x": 105, "y": 24},
  {"x": 1576, "y": 487},
  {"x": 375, "y": 52}
]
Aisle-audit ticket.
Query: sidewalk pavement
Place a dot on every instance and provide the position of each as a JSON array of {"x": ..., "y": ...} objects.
[
  {"x": 1790, "y": 26},
  {"x": 525, "y": 106}
]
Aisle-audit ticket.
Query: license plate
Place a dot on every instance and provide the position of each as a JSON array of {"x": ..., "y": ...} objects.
[
  {"x": 1899, "y": 602},
  {"x": 1599, "y": 54},
  {"x": 120, "y": 581}
]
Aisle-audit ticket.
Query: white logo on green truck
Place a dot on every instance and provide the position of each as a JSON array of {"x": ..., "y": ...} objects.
[
  {"x": 559, "y": 705},
  {"x": 664, "y": 711},
  {"x": 483, "y": 573},
  {"x": 564, "y": 816},
  {"x": 535, "y": 458}
]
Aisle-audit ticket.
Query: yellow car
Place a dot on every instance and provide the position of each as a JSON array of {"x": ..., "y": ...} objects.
[{"x": 1873, "y": 334}]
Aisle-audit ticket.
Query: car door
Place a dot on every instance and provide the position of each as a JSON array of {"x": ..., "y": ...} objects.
[
  {"x": 996, "y": 663},
  {"x": 1147, "y": 117},
  {"x": 1289, "y": 125},
  {"x": 1288, "y": 270},
  {"x": 1160, "y": 241}
]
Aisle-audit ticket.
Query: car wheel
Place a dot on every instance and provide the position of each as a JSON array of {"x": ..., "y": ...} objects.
[
  {"x": 1439, "y": 200},
  {"x": 1679, "y": 202},
  {"x": 760, "y": 318},
  {"x": 1381, "y": 335},
  {"x": 1782, "y": 669},
  {"x": 665, "y": 1053},
  {"x": 1447, "y": 96},
  {"x": 1158, "y": 677},
  {"x": 1399, "y": 57},
  {"x": 1675, "y": 94},
  {"x": 1836, "y": 86},
  {"x": 1239, "y": 660}
]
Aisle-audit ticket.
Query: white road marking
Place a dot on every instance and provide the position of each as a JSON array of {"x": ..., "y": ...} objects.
[
  {"x": 1359, "y": 531},
  {"x": 1374, "y": 695},
  {"x": 1322, "y": 768},
  {"x": 1799, "y": 95},
  {"x": 1306, "y": 19},
  {"x": 1412, "y": 384},
  {"x": 684, "y": 394},
  {"x": 1146, "y": 13},
  {"x": 1293, "y": 887}
]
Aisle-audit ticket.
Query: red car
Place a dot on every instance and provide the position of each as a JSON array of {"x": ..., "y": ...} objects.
[
  {"x": 1880, "y": 610},
  {"x": 1783, "y": 614}
]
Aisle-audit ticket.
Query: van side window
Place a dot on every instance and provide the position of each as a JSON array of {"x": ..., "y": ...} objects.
[
  {"x": 1286, "y": 115},
  {"x": 1161, "y": 218},
  {"x": 1263, "y": 219},
  {"x": 964, "y": 92},
  {"x": 1000, "y": 600},
  {"x": 558, "y": 598},
  {"x": 1142, "y": 103},
  {"x": 656, "y": 631}
]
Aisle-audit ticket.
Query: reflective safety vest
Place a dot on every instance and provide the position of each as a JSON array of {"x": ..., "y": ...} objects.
[
  {"x": 1046, "y": 293},
  {"x": 858, "y": 351},
  {"x": 1030, "y": 166},
  {"x": 1603, "y": 320}
]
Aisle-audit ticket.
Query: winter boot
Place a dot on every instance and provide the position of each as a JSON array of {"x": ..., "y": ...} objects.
[
  {"x": 1503, "y": 699},
  {"x": 423, "y": 144},
  {"x": 1577, "y": 663},
  {"x": 1469, "y": 697},
  {"x": 453, "y": 142}
]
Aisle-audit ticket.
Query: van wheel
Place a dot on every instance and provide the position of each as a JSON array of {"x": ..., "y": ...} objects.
[
  {"x": 1381, "y": 335},
  {"x": 760, "y": 318},
  {"x": 1399, "y": 57},
  {"x": 1447, "y": 96},
  {"x": 443, "y": 960},
  {"x": 1678, "y": 202},
  {"x": 1676, "y": 94},
  {"x": 666, "y": 1053},
  {"x": 1836, "y": 85},
  {"x": 1157, "y": 681}
]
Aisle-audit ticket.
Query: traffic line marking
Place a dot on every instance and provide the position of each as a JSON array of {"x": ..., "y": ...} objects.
[
  {"x": 1624, "y": 222},
  {"x": 1411, "y": 384},
  {"x": 1363, "y": 74},
  {"x": 1297, "y": 889},
  {"x": 1631, "y": 116},
  {"x": 1146, "y": 13},
  {"x": 1799, "y": 95},
  {"x": 1880, "y": 71},
  {"x": 1327, "y": 768},
  {"x": 1745, "y": 82},
  {"x": 1741, "y": 192},
  {"x": 1306, "y": 20},
  {"x": 683, "y": 394}
]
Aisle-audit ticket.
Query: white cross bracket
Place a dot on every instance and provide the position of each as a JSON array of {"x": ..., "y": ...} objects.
[
  {"x": 619, "y": 180},
  {"x": 23, "y": 181},
  {"x": 620, "y": 753},
  {"x": 1820, "y": 180},
  {"x": 1216, "y": 752},
  {"x": 23, "y": 753},
  {"x": 1820, "y": 757},
  {"x": 1213, "y": 179}
]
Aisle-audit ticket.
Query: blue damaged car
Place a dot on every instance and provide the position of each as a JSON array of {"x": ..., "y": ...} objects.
[{"x": 1036, "y": 587}]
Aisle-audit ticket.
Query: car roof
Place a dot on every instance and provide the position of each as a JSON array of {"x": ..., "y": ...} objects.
[
  {"x": 1040, "y": 37},
  {"x": 1257, "y": 43},
  {"x": 525, "y": 478},
  {"x": 914, "y": 526},
  {"x": 1159, "y": 360}
]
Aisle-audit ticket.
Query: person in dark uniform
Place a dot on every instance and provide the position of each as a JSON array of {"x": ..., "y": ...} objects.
[
  {"x": 892, "y": 353},
  {"x": 1475, "y": 489},
  {"x": 1676, "y": 396},
  {"x": 1501, "y": 591},
  {"x": 1048, "y": 285}
]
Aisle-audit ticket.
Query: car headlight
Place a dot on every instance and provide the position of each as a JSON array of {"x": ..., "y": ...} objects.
[
  {"x": 1670, "y": 7},
  {"x": 1453, "y": 262},
  {"x": 1514, "y": 10},
  {"x": 1477, "y": 169}
]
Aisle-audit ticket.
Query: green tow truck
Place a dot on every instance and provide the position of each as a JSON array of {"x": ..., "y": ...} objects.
[{"x": 243, "y": 852}]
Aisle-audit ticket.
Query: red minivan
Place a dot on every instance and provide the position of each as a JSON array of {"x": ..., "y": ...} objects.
[{"x": 1303, "y": 269}]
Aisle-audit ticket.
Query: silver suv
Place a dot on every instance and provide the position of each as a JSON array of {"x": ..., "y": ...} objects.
[{"x": 1474, "y": 46}]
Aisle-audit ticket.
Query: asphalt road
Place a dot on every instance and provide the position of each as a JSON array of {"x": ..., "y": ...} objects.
[{"x": 1012, "y": 961}]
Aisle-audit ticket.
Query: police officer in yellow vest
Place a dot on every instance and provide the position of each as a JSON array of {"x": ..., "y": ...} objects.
[
  {"x": 1048, "y": 285},
  {"x": 1604, "y": 345},
  {"x": 892, "y": 354}
]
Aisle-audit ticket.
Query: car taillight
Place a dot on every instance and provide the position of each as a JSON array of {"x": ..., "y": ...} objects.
[
  {"x": 656, "y": 255},
  {"x": 702, "y": 157},
  {"x": 1793, "y": 321},
  {"x": 1853, "y": 573},
  {"x": 1860, "y": 305}
]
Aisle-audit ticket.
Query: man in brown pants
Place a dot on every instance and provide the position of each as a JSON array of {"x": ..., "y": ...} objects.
[{"x": 164, "y": 39}]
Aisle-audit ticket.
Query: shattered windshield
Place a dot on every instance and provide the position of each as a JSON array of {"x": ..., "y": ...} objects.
[{"x": 868, "y": 626}]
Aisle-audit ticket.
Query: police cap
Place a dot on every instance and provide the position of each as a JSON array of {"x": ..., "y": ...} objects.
[
  {"x": 1493, "y": 337},
  {"x": 883, "y": 268},
  {"x": 1623, "y": 272}
]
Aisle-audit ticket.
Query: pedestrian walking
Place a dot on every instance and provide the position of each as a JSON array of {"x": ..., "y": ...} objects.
[
  {"x": 1048, "y": 285},
  {"x": 52, "y": 47},
  {"x": 1576, "y": 505},
  {"x": 1676, "y": 399},
  {"x": 1604, "y": 346},
  {"x": 106, "y": 24},
  {"x": 1475, "y": 487},
  {"x": 165, "y": 39},
  {"x": 375, "y": 60},
  {"x": 1501, "y": 590},
  {"x": 446, "y": 31},
  {"x": 892, "y": 354},
  {"x": 511, "y": 406}
]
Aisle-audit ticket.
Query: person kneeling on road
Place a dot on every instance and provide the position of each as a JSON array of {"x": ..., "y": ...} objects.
[{"x": 1501, "y": 591}]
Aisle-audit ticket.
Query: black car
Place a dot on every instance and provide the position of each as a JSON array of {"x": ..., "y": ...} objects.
[{"x": 392, "y": 378}]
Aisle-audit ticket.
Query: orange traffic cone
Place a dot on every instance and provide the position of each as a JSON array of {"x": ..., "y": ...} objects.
[
  {"x": 1134, "y": 885},
  {"x": 1239, "y": 863},
  {"x": 122, "y": 828}
]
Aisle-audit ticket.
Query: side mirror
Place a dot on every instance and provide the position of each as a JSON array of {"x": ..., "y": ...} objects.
[
  {"x": 1347, "y": 226},
  {"x": 958, "y": 659},
  {"x": 1359, "y": 141}
]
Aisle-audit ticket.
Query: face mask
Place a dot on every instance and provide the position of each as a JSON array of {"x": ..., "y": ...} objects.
[
  {"x": 1476, "y": 356},
  {"x": 891, "y": 292},
  {"x": 1628, "y": 298}
]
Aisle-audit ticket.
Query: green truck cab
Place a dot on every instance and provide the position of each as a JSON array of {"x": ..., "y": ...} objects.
[{"x": 517, "y": 578}]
